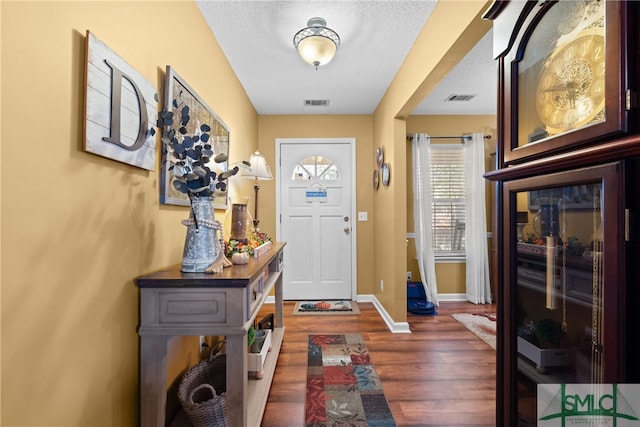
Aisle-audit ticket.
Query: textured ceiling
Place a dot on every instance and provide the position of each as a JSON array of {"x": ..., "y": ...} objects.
[
  {"x": 477, "y": 75},
  {"x": 257, "y": 39}
]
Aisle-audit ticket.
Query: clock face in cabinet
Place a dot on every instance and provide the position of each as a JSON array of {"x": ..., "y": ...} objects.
[
  {"x": 564, "y": 82},
  {"x": 570, "y": 91},
  {"x": 562, "y": 71}
]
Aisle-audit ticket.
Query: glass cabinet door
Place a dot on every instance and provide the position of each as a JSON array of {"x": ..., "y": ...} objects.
[{"x": 559, "y": 245}]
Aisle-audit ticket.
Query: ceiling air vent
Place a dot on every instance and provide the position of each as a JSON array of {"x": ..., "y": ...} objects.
[
  {"x": 316, "y": 102},
  {"x": 459, "y": 98}
]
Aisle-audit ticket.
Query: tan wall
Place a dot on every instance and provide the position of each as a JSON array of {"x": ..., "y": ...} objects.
[
  {"x": 326, "y": 126},
  {"x": 450, "y": 32},
  {"x": 450, "y": 276},
  {"x": 78, "y": 228}
]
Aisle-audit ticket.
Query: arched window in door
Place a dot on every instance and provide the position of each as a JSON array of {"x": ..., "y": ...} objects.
[{"x": 316, "y": 167}]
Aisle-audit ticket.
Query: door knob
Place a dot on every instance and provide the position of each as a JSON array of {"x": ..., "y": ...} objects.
[{"x": 347, "y": 229}]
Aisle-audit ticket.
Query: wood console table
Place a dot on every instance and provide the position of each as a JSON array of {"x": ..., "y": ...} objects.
[{"x": 176, "y": 303}]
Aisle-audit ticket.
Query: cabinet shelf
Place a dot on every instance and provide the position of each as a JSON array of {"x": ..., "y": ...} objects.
[
  {"x": 552, "y": 376},
  {"x": 531, "y": 274},
  {"x": 257, "y": 389}
]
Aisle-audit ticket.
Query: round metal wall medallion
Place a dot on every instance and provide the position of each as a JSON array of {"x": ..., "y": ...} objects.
[
  {"x": 386, "y": 174},
  {"x": 379, "y": 157}
]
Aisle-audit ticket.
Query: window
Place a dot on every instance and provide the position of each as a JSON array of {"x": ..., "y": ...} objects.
[
  {"x": 316, "y": 167},
  {"x": 448, "y": 192}
]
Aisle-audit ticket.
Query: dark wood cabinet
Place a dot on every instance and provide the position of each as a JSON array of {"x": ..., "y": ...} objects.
[
  {"x": 563, "y": 301},
  {"x": 567, "y": 202},
  {"x": 567, "y": 74}
]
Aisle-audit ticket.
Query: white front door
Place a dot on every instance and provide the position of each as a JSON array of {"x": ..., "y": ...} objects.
[{"x": 316, "y": 209}]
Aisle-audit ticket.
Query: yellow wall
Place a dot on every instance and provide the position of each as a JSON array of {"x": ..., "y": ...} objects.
[
  {"x": 326, "y": 126},
  {"x": 451, "y": 31},
  {"x": 78, "y": 228},
  {"x": 450, "y": 276}
]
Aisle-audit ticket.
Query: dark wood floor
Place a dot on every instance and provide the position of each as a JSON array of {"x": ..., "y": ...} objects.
[{"x": 438, "y": 375}]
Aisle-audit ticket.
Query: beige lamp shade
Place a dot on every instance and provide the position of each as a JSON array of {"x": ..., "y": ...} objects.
[
  {"x": 259, "y": 168},
  {"x": 317, "y": 50}
]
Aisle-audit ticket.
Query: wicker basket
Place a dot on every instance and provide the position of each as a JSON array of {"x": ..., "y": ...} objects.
[{"x": 202, "y": 393}]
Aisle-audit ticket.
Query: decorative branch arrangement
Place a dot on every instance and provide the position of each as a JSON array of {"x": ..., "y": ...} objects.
[{"x": 190, "y": 155}]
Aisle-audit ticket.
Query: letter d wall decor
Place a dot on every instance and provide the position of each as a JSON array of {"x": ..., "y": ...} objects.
[{"x": 120, "y": 108}]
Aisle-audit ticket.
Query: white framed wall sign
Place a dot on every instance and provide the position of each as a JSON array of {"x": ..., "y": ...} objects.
[{"x": 120, "y": 108}]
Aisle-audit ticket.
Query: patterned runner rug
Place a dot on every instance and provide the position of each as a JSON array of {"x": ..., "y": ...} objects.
[{"x": 343, "y": 387}]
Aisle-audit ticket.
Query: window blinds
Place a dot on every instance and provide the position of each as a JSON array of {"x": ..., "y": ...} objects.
[{"x": 448, "y": 190}]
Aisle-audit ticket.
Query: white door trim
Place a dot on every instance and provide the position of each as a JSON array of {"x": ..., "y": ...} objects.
[{"x": 353, "y": 215}]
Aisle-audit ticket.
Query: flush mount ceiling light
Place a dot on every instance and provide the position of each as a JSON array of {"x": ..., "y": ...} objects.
[{"x": 316, "y": 44}]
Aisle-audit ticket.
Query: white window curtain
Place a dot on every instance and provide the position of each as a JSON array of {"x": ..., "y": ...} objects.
[
  {"x": 478, "y": 285},
  {"x": 422, "y": 214}
]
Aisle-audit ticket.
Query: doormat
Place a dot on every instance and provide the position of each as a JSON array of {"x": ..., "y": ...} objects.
[
  {"x": 343, "y": 387},
  {"x": 482, "y": 325},
  {"x": 326, "y": 307}
]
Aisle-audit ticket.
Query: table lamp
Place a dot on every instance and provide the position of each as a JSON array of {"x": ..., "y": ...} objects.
[{"x": 259, "y": 170}]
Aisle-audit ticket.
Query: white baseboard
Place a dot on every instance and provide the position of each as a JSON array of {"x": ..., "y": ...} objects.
[
  {"x": 395, "y": 327},
  {"x": 452, "y": 297}
]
